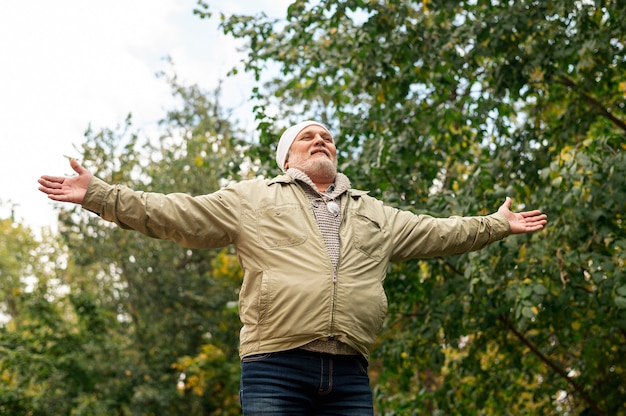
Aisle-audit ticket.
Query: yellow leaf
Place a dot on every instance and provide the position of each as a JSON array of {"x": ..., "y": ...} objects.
[
  {"x": 522, "y": 253},
  {"x": 622, "y": 87},
  {"x": 537, "y": 75},
  {"x": 567, "y": 153}
]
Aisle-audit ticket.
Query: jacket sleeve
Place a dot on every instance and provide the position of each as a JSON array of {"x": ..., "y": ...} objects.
[
  {"x": 423, "y": 236},
  {"x": 206, "y": 221}
]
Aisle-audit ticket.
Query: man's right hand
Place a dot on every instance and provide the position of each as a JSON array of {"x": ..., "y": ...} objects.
[{"x": 67, "y": 189}]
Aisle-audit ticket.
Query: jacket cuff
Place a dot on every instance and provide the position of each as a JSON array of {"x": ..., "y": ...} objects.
[
  {"x": 501, "y": 225},
  {"x": 95, "y": 198}
]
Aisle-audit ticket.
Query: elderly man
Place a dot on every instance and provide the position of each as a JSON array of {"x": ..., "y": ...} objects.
[{"x": 314, "y": 253}]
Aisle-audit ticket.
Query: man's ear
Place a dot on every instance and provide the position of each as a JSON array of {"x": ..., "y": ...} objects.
[{"x": 287, "y": 161}]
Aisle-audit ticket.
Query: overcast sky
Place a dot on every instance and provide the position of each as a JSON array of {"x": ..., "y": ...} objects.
[{"x": 68, "y": 64}]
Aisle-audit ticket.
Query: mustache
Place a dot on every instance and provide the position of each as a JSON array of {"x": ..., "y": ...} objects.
[{"x": 320, "y": 149}]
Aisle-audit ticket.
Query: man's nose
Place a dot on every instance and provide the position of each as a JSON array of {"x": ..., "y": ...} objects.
[{"x": 318, "y": 140}]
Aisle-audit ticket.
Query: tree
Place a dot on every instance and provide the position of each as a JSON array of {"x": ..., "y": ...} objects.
[
  {"x": 168, "y": 301},
  {"x": 445, "y": 107},
  {"x": 135, "y": 311},
  {"x": 44, "y": 356},
  {"x": 16, "y": 260}
]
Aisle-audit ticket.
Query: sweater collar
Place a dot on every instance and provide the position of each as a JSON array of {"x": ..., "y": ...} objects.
[{"x": 341, "y": 184}]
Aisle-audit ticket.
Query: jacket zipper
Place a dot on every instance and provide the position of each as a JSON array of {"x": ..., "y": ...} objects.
[
  {"x": 344, "y": 208},
  {"x": 334, "y": 289}
]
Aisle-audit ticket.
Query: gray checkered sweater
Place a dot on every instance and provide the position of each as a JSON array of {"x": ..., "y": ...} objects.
[{"x": 327, "y": 221}]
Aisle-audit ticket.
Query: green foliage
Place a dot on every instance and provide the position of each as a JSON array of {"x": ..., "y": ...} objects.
[
  {"x": 16, "y": 257},
  {"x": 44, "y": 355},
  {"x": 133, "y": 310},
  {"x": 446, "y": 107},
  {"x": 166, "y": 297}
]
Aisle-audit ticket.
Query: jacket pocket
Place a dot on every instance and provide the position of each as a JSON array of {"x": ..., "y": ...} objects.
[
  {"x": 281, "y": 226},
  {"x": 369, "y": 236}
]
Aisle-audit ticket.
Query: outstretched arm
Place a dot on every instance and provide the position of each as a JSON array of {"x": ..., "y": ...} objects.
[
  {"x": 522, "y": 222},
  {"x": 67, "y": 189}
]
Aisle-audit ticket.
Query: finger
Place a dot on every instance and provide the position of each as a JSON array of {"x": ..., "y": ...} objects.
[
  {"x": 55, "y": 182},
  {"x": 50, "y": 179},
  {"x": 534, "y": 218},
  {"x": 50, "y": 187},
  {"x": 535, "y": 225},
  {"x": 59, "y": 198},
  {"x": 78, "y": 168},
  {"x": 49, "y": 184},
  {"x": 534, "y": 213}
]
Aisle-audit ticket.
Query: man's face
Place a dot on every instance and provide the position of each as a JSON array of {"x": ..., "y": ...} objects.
[{"x": 313, "y": 152}]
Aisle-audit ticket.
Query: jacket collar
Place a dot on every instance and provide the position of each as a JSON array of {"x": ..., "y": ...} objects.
[
  {"x": 286, "y": 179},
  {"x": 280, "y": 179}
]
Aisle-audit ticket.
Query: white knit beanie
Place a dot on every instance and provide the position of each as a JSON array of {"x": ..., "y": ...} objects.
[{"x": 287, "y": 139}]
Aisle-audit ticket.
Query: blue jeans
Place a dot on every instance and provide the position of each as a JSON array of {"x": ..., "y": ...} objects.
[{"x": 298, "y": 383}]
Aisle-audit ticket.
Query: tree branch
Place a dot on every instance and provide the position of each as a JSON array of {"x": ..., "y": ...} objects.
[
  {"x": 568, "y": 82},
  {"x": 561, "y": 372},
  {"x": 451, "y": 266}
]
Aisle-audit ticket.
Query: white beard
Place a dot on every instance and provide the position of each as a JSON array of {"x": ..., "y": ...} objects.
[{"x": 319, "y": 167}]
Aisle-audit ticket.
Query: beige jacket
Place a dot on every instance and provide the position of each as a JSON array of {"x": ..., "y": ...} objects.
[{"x": 290, "y": 295}]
